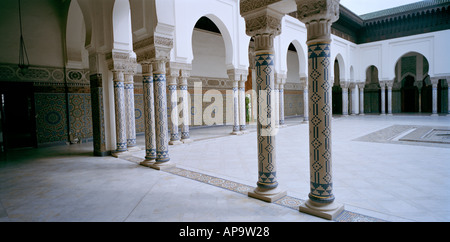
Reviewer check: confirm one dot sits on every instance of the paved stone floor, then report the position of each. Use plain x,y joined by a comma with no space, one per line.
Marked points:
378,174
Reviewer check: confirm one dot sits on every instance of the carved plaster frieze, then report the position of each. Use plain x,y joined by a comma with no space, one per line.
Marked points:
252,5
117,60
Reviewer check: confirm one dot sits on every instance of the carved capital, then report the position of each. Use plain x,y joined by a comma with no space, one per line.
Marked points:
159,66
154,47
117,60
318,15
236,75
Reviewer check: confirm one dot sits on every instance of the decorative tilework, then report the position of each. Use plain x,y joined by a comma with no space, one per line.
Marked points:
266,139
161,125
80,116
130,114
119,102
149,118
320,123
51,118
139,113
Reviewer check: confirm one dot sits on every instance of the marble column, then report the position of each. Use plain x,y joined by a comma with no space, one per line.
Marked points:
183,87
318,19
263,24
172,84
129,109
161,123
119,105
242,122
361,98
383,97
434,84
389,85
149,114
304,84
344,86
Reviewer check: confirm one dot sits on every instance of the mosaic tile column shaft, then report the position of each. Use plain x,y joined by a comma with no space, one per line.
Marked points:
130,112
361,99
242,123
161,124
173,107
318,23
119,102
281,89
149,113
235,107
434,84
389,97
320,113
98,123
383,98
182,85
267,184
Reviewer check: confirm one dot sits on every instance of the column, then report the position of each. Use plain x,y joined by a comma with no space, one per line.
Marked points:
344,86
161,125
119,105
172,84
304,83
129,108
434,83
361,98
419,85
242,123
235,76
281,89
149,115
263,25
98,123
389,85
318,19
183,87
383,97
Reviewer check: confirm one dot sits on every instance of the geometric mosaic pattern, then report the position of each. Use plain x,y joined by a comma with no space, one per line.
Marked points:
320,122
51,118
267,176
161,125
119,102
149,117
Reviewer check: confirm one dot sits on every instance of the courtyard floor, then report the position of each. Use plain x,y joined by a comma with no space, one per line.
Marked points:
385,168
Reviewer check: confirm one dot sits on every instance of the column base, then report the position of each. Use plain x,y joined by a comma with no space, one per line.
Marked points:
434,115
119,154
361,114
158,165
327,211
267,195
244,131
187,141
147,162
236,133
389,114
305,121
175,142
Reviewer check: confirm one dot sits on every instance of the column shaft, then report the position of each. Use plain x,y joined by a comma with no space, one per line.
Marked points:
281,88
130,113
361,100
345,101
235,108
383,99
182,85
435,101
149,113
161,124
389,100
119,104
305,103
242,123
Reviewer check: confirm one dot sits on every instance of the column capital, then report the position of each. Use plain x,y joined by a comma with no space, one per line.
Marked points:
173,72
159,66
117,60
237,75
389,83
344,84
361,85
318,15
434,80
153,47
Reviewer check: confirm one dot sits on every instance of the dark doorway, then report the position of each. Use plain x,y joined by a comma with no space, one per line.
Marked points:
17,115
410,96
